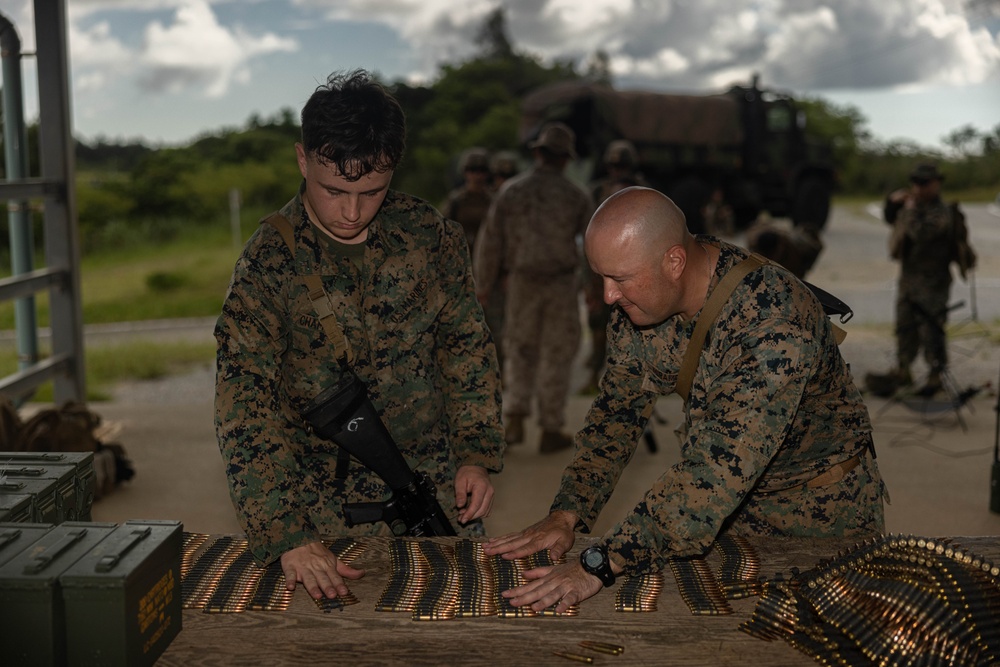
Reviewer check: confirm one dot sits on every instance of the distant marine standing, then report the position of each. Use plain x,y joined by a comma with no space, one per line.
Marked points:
927,236
469,203
532,231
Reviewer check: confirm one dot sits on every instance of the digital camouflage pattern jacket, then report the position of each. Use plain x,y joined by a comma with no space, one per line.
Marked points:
532,227
772,406
925,239
419,343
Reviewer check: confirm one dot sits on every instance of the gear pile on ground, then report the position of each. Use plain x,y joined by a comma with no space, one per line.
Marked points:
70,428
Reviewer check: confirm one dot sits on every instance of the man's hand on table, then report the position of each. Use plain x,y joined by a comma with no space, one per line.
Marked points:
560,585
319,571
554,532
473,493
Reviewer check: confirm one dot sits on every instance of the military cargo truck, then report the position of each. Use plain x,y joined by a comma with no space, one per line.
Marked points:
747,147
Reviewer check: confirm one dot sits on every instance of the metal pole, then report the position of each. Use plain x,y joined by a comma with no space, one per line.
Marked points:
62,245
15,135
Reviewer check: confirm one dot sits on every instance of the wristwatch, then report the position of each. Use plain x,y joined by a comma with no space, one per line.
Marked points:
596,562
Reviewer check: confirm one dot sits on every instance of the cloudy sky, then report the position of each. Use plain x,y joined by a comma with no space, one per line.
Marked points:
167,70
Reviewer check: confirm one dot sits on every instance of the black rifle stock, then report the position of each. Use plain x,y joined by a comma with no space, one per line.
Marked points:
344,414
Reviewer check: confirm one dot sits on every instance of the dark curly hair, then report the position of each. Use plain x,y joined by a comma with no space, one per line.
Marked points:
353,123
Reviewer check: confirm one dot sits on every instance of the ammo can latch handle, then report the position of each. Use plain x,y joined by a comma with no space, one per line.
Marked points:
44,559
25,471
108,562
8,536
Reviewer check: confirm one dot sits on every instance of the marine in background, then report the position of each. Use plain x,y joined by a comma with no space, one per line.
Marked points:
927,237
505,166
468,203
532,232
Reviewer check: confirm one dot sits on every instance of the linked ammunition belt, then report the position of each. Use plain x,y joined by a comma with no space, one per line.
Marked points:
708,593
434,583
222,577
639,593
893,600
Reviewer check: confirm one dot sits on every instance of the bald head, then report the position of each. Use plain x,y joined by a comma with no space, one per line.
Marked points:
638,242
640,222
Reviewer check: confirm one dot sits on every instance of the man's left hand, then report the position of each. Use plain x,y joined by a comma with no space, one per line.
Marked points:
560,585
473,493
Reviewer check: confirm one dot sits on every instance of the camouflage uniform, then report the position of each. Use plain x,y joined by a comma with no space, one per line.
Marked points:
772,405
468,209
532,231
419,344
922,241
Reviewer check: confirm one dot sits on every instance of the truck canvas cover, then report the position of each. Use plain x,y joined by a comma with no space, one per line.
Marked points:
642,117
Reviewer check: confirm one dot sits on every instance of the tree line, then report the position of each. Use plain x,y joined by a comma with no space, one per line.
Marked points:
132,191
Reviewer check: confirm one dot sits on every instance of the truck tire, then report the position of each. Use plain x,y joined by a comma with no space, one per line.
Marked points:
812,202
691,196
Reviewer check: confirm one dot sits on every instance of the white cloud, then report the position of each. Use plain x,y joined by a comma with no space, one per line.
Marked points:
797,43
96,47
196,51
183,50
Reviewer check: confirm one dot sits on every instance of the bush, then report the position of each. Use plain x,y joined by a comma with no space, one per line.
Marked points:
165,281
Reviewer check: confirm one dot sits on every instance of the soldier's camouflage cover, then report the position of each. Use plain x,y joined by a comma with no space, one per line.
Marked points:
468,208
419,343
772,405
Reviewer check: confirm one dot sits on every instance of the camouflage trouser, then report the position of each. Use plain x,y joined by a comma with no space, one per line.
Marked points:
851,507
494,312
921,314
541,337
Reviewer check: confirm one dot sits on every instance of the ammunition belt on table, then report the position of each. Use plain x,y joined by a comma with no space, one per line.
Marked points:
433,581
894,600
224,578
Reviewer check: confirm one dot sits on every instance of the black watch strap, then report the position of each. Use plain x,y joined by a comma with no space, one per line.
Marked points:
595,561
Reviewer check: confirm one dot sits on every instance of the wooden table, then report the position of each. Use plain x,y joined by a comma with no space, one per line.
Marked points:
358,635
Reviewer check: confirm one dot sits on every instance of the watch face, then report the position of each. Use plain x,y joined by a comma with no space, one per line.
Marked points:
594,558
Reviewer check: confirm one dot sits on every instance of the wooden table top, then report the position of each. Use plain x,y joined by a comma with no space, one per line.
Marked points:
359,635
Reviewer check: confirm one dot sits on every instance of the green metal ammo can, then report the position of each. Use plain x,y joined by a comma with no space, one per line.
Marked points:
65,479
123,598
83,462
16,507
32,618
43,492
16,537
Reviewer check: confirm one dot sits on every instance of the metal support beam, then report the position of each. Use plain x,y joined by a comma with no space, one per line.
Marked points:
62,245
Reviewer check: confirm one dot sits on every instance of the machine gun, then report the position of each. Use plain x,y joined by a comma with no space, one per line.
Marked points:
344,414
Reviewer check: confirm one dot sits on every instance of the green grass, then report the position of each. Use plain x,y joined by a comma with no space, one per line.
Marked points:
186,277
106,365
